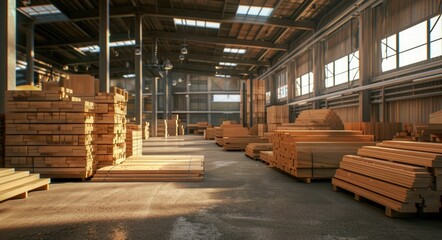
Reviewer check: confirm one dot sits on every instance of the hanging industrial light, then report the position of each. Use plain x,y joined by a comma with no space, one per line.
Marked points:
184,49
180,80
174,82
167,65
181,57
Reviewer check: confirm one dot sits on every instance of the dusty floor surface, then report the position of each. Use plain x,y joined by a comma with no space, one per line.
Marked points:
238,199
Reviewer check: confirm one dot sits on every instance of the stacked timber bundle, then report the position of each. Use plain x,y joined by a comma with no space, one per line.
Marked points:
317,119
17,184
403,176
2,140
229,130
50,132
258,95
172,127
146,130
435,118
240,143
276,116
433,131
110,126
209,133
262,128
154,168
314,154
380,130
266,156
134,140
253,149
201,127
162,128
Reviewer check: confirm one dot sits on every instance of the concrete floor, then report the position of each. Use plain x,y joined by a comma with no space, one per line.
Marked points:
238,199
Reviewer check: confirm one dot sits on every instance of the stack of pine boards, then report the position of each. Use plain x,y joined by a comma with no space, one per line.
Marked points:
50,132
154,168
403,176
146,126
2,140
209,133
162,128
253,149
277,115
235,137
380,130
318,119
134,140
314,154
266,156
17,184
110,126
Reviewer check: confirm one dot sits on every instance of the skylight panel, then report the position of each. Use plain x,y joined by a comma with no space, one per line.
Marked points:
223,75
39,10
265,11
234,50
254,11
242,9
195,23
96,48
131,75
228,64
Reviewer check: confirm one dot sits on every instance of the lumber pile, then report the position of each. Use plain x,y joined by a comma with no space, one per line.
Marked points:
277,115
266,156
407,133
134,140
380,130
403,176
229,130
314,154
201,127
322,117
2,140
162,128
17,184
262,128
49,132
209,133
253,149
181,129
154,168
435,118
258,95
172,127
110,126
240,143
145,130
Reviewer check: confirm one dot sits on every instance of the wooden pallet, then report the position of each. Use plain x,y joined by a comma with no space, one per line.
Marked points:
17,184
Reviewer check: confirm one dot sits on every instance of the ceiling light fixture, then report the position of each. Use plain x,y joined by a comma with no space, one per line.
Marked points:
180,80
167,65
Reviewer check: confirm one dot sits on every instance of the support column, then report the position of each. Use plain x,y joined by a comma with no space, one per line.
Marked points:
251,103
104,46
30,55
273,90
318,72
7,49
166,96
244,106
139,70
365,63
154,105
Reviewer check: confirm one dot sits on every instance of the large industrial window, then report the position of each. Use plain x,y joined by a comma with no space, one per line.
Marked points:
436,36
412,44
304,84
342,70
281,81
226,98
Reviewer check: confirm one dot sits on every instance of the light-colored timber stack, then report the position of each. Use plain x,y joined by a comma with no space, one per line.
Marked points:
146,130
154,168
435,118
17,184
319,119
134,140
262,128
266,156
209,133
2,140
110,126
258,102
162,128
240,143
50,132
201,127
172,127
253,149
276,116
380,130
403,176
314,154
229,130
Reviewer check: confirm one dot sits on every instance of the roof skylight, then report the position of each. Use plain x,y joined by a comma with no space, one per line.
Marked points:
222,75
254,11
196,23
228,64
39,10
234,50
130,75
96,48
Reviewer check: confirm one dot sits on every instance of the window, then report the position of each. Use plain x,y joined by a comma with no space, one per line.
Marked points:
196,23
234,50
342,70
304,84
281,81
436,36
254,11
389,51
39,10
222,75
226,98
268,96
412,44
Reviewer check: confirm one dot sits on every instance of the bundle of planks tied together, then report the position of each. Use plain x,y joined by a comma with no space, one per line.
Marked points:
209,133
277,115
110,126
314,154
253,149
50,132
403,176
134,140
319,119
2,140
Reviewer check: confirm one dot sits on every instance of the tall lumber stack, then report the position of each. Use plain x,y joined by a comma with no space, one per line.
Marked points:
146,130
134,140
162,128
403,176
258,102
172,127
277,115
311,154
380,130
50,132
2,140
110,126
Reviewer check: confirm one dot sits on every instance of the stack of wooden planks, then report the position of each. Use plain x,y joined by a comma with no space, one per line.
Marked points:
134,140
162,128
258,95
403,176
380,130
266,156
209,133
17,184
253,149
314,154
240,143
154,168
321,118
229,130
262,128
146,130
172,127
2,140
435,118
277,115
110,126
50,132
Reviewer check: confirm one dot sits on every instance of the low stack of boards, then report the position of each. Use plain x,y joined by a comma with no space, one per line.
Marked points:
50,132
154,168
18,184
134,140
277,115
162,128
209,133
240,143
314,154
2,140
319,119
201,127
145,130
266,156
229,130
435,118
253,149
110,126
403,176
380,130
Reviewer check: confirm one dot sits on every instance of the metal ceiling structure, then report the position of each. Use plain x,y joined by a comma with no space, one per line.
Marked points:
58,36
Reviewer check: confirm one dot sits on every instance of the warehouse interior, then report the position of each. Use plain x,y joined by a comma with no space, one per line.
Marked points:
221,119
